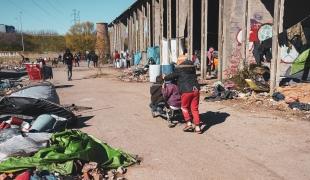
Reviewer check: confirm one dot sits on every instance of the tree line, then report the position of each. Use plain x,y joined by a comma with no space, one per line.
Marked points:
80,37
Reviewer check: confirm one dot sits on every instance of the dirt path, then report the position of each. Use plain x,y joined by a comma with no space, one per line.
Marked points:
236,144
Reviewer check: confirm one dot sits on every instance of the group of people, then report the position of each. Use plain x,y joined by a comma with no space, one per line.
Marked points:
92,57
181,89
69,59
211,60
122,56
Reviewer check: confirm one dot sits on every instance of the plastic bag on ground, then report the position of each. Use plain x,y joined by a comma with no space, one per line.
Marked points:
23,146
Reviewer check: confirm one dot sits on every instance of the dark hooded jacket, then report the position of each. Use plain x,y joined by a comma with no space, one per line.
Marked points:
68,58
185,75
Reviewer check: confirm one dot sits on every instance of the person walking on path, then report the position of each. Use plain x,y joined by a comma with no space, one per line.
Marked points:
95,59
210,60
68,58
186,77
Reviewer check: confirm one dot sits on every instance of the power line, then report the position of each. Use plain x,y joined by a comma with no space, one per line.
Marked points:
54,7
41,8
45,11
23,10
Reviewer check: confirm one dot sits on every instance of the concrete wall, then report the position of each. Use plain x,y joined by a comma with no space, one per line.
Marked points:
234,20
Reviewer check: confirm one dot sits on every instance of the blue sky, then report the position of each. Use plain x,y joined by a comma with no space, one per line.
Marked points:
57,15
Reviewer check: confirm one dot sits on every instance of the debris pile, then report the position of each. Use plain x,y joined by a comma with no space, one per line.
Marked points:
296,95
36,142
135,75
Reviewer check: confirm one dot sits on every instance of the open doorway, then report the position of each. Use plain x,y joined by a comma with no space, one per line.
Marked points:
196,25
213,23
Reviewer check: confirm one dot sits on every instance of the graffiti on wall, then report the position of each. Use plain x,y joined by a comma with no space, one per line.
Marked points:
259,45
294,46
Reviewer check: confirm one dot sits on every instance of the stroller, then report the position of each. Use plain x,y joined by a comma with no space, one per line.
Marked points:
160,107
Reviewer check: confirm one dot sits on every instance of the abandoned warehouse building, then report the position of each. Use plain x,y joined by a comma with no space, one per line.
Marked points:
271,32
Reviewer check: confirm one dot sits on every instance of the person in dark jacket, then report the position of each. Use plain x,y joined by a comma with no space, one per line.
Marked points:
186,77
68,58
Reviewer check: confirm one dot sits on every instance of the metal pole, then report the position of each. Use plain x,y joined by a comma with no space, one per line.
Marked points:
21,29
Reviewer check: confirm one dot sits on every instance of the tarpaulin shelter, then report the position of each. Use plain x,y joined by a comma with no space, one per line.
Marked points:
12,74
299,64
45,90
33,107
154,53
137,58
66,147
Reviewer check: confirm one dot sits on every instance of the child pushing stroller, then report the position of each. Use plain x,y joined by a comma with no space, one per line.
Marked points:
166,100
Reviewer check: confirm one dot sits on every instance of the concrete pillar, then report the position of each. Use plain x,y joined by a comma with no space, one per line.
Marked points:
204,37
149,24
129,33
156,22
143,45
169,26
276,29
116,37
220,40
244,35
141,29
161,27
190,28
177,26
136,27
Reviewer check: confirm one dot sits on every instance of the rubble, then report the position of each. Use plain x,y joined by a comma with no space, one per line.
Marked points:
134,75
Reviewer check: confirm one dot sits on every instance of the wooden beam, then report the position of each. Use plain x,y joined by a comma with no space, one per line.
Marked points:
275,45
220,40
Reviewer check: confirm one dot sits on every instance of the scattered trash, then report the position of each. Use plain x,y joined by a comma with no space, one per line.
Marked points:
300,106
278,96
296,93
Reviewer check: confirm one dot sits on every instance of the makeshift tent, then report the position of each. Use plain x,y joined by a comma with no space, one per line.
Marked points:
33,107
66,147
299,64
12,74
137,58
44,90
154,53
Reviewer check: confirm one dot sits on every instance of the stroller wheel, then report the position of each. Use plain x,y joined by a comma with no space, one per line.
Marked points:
153,114
171,124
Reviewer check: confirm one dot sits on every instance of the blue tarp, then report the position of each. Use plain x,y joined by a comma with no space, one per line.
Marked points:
137,58
154,53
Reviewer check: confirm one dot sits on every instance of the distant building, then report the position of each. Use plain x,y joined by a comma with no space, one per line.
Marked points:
2,28
7,29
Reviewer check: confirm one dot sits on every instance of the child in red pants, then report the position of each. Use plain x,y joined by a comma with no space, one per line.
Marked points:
186,77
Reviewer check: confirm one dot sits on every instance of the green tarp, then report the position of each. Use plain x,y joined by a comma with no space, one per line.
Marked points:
66,147
299,64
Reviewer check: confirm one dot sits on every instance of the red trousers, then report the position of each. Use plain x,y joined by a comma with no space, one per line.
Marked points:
189,105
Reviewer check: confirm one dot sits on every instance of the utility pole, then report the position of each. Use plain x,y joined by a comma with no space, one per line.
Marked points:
76,16
21,29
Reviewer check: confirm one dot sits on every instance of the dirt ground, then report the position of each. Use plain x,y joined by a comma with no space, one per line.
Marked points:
237,143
